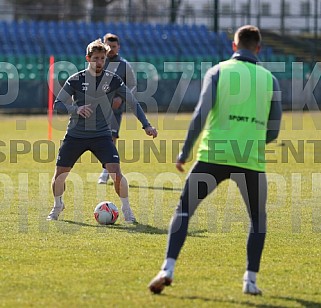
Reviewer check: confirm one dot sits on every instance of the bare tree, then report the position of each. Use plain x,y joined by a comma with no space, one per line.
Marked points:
49,9
175,4
98,12
101,10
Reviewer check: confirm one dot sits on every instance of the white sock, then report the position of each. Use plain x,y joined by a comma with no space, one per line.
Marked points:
169,264
105,171
249,275
58,201
125,204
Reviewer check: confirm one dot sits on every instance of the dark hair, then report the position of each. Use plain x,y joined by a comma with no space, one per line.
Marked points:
111,38
94,46
247,37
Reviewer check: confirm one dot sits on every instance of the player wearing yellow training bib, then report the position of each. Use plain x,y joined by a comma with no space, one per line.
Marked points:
235,130
239,111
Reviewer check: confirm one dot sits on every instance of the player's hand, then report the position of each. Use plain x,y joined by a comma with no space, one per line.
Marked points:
179,166
151,131
85,111
116,102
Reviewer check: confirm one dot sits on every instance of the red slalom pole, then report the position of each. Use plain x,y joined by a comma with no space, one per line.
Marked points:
50,94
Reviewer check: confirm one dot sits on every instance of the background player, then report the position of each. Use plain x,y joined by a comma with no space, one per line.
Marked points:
122,68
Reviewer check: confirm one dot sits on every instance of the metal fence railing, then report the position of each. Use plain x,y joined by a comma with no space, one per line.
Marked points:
296,16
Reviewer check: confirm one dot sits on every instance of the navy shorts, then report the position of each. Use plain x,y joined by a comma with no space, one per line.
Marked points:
115,124
72,148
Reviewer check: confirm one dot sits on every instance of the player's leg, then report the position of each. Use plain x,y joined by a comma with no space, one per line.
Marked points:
104,149
58,188
115,126
58,180
202,180
69,152
121,188
120,182
103,177
253,188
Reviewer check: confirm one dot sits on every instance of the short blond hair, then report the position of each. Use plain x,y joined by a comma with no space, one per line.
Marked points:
96,45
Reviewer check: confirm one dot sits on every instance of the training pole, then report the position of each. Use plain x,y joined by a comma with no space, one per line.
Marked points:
50,94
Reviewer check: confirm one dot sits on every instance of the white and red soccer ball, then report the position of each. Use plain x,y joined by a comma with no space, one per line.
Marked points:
106,213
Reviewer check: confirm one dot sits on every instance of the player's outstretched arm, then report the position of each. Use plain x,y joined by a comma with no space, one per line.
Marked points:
151,131
134,105
179,165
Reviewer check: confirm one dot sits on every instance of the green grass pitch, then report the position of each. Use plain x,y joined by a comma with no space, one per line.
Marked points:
76,263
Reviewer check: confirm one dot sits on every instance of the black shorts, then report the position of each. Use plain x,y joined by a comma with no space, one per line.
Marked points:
72,148
115,124
205,177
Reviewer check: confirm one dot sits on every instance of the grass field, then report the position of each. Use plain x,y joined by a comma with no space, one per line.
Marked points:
76,263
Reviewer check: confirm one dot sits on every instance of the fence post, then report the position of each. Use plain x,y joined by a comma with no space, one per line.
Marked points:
216,16
282,16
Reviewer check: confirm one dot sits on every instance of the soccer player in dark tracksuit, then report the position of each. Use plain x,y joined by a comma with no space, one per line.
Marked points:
87,97
239,111
123,69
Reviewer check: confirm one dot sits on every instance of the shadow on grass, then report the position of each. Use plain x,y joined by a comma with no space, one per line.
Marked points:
156,188
215,302
83,224
139,228
304,303
151,187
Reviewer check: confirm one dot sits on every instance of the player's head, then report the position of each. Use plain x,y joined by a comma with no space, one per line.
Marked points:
96,53
247,37
113,42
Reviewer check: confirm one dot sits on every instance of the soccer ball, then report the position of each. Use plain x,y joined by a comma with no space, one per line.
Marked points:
106,213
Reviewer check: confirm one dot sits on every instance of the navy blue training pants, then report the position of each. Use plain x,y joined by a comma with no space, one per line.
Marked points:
202,180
